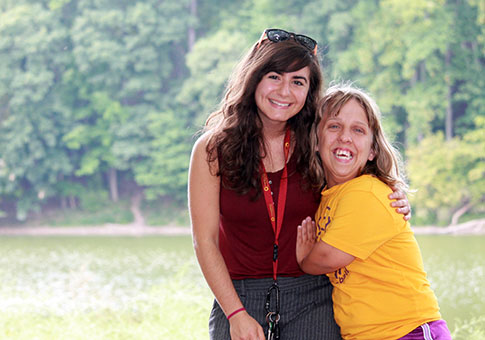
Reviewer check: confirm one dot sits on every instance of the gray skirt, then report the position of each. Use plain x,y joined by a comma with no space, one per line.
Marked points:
305,307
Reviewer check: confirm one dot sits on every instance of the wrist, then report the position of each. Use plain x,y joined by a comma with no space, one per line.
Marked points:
235,312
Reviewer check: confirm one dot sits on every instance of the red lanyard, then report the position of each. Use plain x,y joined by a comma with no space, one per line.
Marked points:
277,220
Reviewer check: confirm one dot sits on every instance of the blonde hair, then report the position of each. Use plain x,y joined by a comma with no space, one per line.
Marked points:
387,164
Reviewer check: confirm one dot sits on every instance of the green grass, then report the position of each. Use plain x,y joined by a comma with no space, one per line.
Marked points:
101,288
151,287
470,329
168,314
159,213
456,270
156,213
116,213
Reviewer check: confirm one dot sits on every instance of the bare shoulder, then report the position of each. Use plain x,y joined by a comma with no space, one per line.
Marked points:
199,149
200,157
202,142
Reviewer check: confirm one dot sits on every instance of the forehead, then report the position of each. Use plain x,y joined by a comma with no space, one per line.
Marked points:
350,108
304,71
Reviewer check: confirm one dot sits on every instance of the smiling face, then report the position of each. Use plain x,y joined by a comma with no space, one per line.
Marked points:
345,143
280,96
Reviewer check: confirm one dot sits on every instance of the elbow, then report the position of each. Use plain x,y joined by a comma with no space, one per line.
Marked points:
198,244
313,271
317,268
202,243
195,243
310,267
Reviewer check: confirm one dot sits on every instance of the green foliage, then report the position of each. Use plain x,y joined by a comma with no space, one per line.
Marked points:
448,175
210,64
93,200
164,171
96,133
473,329
400,50
96,211
163,212
89,89
32,57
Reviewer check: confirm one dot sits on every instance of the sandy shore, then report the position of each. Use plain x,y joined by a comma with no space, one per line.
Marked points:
475,227
106,230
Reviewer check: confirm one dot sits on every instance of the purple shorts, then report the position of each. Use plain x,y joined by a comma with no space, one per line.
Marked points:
434,330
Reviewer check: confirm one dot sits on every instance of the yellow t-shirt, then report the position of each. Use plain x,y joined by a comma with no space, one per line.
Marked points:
384,292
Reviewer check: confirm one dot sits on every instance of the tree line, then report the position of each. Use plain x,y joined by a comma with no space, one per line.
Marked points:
101,100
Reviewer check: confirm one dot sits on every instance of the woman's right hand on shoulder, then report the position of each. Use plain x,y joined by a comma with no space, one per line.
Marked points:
245,327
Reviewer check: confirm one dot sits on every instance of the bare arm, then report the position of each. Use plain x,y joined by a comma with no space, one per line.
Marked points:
204,189
318,257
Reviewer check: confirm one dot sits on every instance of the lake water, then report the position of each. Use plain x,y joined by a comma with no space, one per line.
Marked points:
456,270
66,276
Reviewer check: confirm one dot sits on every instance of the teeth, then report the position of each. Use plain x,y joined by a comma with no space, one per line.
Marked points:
343,154
279,104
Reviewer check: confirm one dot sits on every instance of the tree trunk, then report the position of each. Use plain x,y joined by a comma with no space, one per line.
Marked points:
449,97
456,216
422,71
60,178
63,203
136,199
72,202
113,184
192,33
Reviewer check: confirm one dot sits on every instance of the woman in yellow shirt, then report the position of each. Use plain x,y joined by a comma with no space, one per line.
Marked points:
367,250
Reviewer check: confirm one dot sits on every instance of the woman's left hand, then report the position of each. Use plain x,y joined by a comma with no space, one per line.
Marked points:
401,203
305,239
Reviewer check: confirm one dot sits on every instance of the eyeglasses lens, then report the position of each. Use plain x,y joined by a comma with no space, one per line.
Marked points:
306,41
277,35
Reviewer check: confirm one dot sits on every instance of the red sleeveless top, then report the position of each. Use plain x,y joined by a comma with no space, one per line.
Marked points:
246,237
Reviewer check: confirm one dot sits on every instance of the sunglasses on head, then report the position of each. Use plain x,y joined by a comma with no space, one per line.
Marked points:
276,35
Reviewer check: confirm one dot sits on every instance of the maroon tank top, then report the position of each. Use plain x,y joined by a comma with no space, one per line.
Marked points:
245,234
